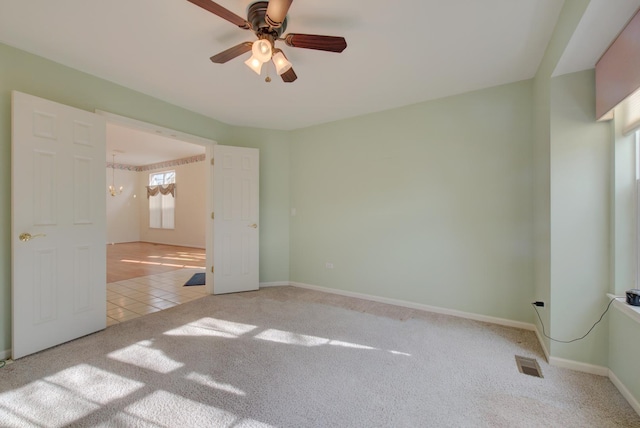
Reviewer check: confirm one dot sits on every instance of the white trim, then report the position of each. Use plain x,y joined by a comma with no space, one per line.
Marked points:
476,317
4,355
543,344
554,361
208,145
274,284
632,312
624,391
578,366
156,129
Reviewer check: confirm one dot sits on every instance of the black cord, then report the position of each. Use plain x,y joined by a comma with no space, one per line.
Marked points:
579,338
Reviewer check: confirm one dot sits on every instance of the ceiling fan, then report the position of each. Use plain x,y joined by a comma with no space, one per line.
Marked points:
268,20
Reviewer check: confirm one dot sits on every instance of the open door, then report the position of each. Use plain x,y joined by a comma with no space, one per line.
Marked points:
236,216
58,224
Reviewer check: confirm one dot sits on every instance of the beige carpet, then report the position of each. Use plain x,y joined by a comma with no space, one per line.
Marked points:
298,358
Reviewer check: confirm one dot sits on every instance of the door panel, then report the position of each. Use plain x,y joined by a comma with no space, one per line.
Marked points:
235,229
58,199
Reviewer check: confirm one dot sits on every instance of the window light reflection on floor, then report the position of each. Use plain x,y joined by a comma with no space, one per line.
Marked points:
40,404
286,337
289,338
142,354
142,262
79,390
212,327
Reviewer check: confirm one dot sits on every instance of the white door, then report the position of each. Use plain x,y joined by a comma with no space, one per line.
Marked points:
58,224
235,224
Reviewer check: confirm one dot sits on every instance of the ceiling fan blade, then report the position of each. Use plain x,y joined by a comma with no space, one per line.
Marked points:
277,12
311,41
223,13
231,53
289,76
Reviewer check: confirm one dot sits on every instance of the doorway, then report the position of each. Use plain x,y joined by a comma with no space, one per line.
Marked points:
149,263
66,187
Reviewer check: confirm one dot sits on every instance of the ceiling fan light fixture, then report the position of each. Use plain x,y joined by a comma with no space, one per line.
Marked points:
261,50
255,64
281,62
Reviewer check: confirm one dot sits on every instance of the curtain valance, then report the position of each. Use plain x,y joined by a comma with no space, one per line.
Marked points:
164,190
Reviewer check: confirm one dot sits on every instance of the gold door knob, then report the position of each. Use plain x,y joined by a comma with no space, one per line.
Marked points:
24,237
255,226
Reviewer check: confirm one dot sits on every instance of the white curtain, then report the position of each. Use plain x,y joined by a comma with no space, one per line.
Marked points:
161,206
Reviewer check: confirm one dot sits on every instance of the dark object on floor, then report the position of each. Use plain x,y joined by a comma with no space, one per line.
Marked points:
633,297
196,279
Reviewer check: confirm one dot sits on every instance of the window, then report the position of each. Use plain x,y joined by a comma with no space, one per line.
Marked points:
162,207
637,206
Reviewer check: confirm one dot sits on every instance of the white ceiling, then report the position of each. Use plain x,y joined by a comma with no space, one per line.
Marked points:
139,147
601,23
398,53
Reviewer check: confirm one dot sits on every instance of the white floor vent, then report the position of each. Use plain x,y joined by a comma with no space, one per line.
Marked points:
528,366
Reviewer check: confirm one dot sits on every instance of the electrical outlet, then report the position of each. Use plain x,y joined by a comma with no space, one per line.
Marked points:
328,265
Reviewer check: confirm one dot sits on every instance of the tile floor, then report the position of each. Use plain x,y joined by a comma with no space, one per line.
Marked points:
136,259
143,278
135,297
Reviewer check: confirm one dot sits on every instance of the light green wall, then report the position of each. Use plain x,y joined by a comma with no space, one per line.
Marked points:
624,350
34,75
274,198
430,203
542,197
583,215
580,173
568,20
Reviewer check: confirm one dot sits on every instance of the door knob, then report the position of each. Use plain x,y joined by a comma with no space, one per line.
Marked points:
255,226
24,237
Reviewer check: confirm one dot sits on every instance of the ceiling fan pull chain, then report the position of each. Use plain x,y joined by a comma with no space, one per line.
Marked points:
268,78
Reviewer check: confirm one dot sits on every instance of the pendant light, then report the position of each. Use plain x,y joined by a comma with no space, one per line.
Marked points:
112,187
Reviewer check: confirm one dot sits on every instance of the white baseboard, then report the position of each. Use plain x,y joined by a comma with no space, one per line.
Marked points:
543,344
624,391
554,361
4,355
274,284
428,308
579,367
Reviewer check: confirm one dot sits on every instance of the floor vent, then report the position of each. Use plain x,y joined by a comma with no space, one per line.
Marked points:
528,366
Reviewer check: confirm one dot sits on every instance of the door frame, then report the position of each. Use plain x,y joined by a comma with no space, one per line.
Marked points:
187,138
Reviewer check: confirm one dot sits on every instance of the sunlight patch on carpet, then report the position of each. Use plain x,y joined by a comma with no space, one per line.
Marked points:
404,354
39,404
212,327
79,390
279,336
94,384
142,354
